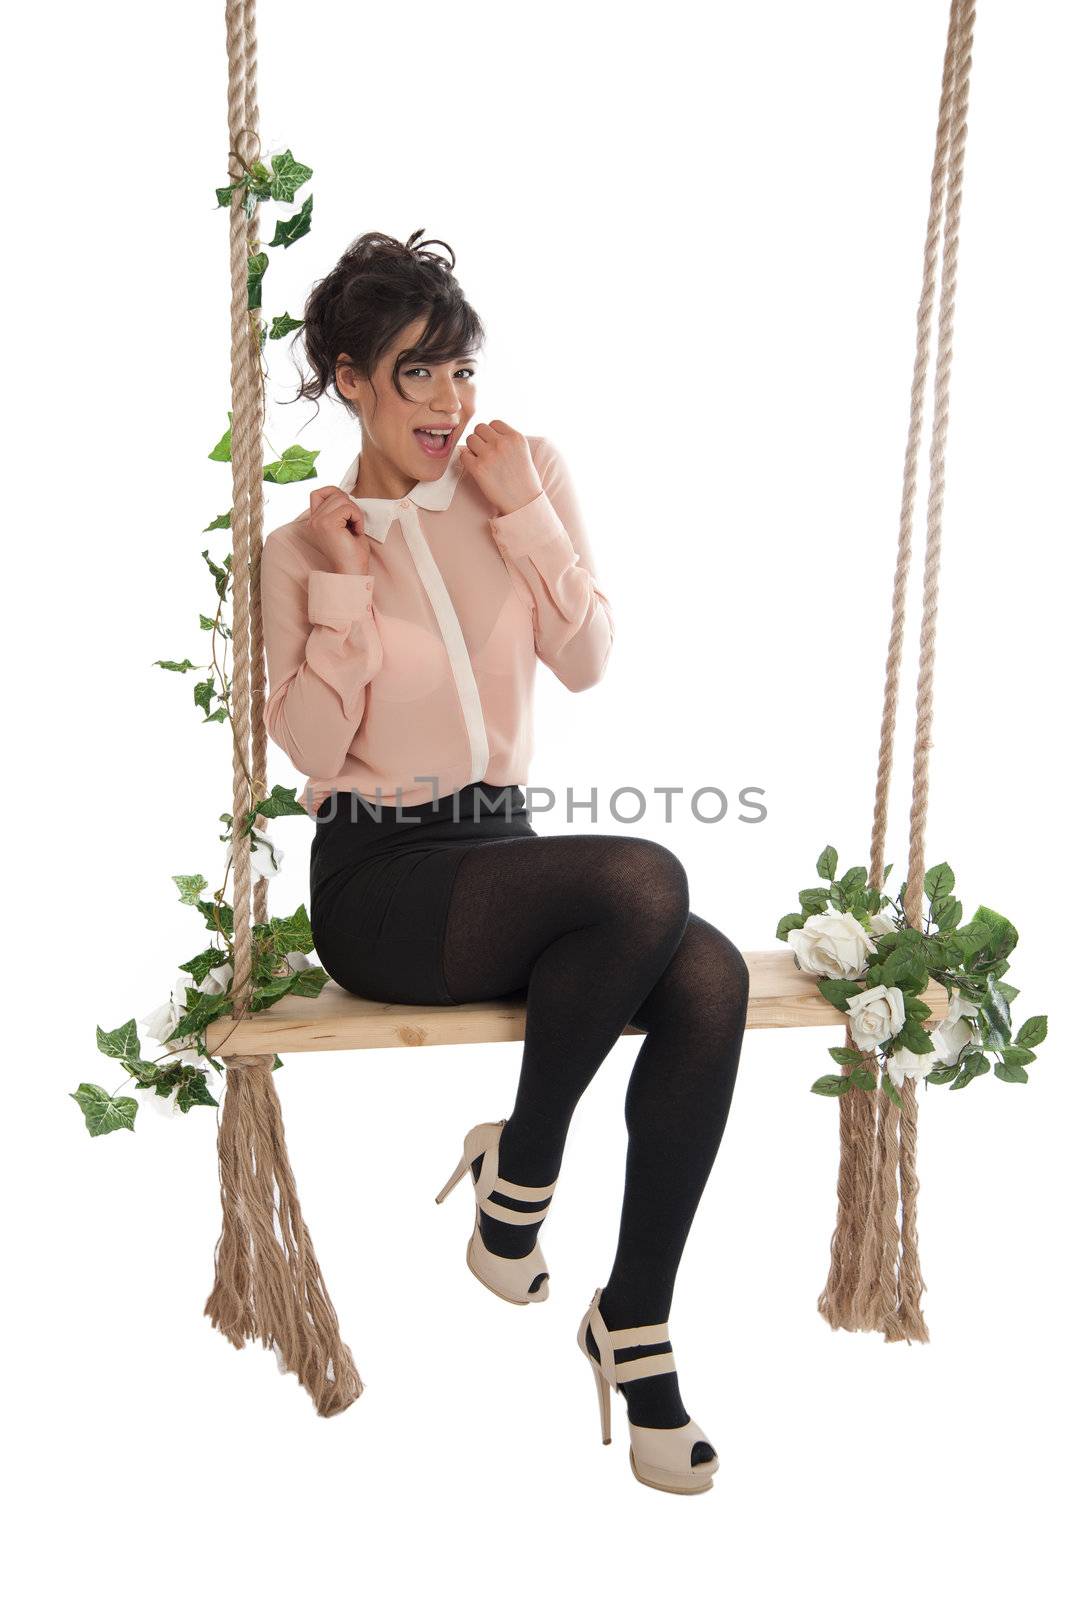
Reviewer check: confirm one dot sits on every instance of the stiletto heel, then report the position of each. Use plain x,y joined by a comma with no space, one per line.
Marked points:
659,1457
454,1178
604,1403
521,1279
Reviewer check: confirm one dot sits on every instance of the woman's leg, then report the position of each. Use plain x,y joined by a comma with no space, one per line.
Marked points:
676,1107
597,928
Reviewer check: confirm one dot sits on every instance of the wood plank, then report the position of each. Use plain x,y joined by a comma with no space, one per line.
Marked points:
781,997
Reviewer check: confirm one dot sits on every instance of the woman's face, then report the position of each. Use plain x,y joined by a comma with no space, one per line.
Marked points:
442,397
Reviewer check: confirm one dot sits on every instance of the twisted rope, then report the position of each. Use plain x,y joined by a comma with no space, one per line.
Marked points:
870,1285
268,1284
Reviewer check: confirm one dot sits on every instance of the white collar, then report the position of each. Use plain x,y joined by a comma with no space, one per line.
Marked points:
433,494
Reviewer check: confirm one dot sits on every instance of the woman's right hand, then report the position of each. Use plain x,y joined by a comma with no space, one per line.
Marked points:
336,529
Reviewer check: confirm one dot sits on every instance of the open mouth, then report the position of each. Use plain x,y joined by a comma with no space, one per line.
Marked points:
435,441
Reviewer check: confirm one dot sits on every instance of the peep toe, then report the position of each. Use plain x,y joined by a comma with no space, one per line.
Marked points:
659,1457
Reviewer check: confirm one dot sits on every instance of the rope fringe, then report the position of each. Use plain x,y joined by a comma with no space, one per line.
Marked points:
268,1284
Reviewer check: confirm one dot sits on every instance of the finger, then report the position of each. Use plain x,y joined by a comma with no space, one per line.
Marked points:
502,427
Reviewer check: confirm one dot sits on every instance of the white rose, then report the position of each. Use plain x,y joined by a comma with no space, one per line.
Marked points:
876,1015
906,1064
832,944
882,922
955,1031
262,861
215,981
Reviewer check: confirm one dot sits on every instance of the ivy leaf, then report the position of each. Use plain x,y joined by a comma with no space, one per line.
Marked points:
221,451
308,981
1032,1032
219,573
827,862
121,1044
280,802
223,521
288,176
832,1084
296,464
199,966
193,1091
289,229
104,1113
176,666
282,325
203,693
191,886
257,266
217,915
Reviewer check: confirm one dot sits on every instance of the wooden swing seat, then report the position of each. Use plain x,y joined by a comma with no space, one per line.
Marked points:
781,996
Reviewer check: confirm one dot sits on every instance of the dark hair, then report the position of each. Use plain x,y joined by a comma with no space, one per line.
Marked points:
376,288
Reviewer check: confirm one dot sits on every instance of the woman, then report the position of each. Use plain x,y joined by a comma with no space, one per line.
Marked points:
404,613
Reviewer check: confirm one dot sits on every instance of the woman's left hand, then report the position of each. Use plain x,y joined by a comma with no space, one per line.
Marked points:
498,459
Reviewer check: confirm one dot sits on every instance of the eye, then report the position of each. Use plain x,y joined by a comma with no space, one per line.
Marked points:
410,372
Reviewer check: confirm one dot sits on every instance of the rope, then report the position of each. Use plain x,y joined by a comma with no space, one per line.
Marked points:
268,1284
869,1284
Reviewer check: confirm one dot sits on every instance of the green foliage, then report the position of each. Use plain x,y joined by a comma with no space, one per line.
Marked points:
967,958
281,947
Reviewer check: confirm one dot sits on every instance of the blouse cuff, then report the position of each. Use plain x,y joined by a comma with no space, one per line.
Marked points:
337,599
519,530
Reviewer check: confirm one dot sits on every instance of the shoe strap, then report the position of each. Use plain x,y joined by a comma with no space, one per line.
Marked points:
506,1214
644,1367
647,1333
522,1191
610,1339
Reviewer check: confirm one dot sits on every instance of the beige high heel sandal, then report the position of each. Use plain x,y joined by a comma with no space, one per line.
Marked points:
659,1457
511,1279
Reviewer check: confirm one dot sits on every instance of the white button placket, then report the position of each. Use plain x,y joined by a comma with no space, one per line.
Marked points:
451,632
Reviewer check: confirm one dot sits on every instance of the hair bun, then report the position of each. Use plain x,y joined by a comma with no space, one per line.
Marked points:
415,247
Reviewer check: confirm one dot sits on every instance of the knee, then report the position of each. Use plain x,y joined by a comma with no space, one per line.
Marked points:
710,975
653,886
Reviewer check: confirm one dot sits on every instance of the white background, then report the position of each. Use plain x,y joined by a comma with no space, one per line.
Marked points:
695,238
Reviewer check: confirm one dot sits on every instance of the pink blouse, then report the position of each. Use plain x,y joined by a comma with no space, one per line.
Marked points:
417,679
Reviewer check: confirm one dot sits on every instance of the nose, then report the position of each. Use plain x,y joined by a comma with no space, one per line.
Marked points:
446,397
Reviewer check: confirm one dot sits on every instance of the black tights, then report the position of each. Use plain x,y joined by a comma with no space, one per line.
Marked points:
597,929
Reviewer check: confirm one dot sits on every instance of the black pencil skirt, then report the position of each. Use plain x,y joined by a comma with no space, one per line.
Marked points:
381,879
